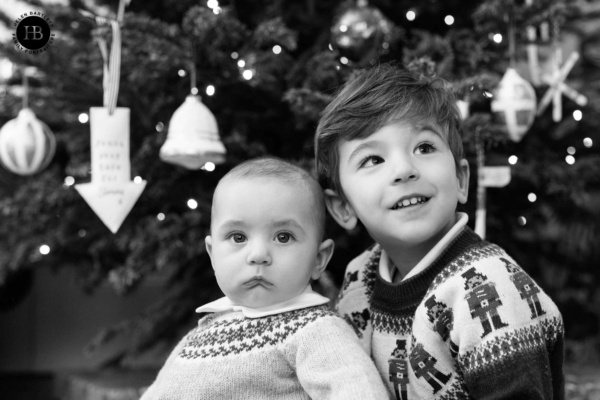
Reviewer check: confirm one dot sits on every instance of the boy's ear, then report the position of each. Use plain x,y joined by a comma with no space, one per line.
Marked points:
208,244
323,257
340,210
463,174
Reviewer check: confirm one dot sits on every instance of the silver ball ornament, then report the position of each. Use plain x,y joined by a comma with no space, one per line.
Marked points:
360,34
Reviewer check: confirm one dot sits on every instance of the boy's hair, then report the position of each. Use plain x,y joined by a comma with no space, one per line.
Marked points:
273,167
371,99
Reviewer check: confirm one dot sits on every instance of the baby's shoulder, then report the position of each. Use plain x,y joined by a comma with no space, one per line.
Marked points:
301,318
318,321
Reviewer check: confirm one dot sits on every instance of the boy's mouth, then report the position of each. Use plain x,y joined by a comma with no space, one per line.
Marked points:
410,201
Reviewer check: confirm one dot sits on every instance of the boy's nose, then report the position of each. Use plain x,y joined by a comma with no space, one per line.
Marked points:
404,170
259,255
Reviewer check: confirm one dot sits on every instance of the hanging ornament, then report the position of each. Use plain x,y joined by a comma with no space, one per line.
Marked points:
360,33
193,138
558,87
111,194
545,64
27,145
514,104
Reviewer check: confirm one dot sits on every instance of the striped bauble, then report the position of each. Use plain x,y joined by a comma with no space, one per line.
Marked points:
27,145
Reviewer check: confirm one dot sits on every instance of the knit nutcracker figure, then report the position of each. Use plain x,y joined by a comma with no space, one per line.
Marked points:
399,369
440,315
526,287
483,300
423,364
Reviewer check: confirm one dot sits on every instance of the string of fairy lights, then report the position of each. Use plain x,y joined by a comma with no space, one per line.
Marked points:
247,73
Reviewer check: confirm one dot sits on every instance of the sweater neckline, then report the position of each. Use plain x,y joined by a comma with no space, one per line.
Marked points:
308,298
405,296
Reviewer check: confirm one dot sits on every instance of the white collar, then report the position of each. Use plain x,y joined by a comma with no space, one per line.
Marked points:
308,298
386,266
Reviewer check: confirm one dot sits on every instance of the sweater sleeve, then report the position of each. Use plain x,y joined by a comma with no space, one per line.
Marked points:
154,390
508,332
161,384
330,363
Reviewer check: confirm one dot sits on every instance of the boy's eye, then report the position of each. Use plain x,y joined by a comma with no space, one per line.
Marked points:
425,148
370,161
283,237
237,237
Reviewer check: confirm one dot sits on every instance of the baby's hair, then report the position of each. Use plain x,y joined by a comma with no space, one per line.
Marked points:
372,98
276,168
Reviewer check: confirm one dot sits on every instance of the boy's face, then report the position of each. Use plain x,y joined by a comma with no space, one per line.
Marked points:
401,183
264,243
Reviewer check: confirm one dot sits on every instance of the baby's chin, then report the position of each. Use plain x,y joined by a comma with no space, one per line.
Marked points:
264,303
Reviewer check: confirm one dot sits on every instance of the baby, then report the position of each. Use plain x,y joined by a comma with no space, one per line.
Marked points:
271,336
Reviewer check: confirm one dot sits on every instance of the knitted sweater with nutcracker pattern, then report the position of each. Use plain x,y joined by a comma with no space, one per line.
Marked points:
309,353
472,324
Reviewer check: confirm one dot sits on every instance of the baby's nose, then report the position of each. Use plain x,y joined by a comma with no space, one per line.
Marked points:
259,254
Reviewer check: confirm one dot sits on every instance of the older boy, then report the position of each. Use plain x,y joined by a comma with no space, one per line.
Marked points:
444,314
271,336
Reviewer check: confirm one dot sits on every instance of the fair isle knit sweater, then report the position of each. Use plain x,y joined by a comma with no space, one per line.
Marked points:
310,353
472,324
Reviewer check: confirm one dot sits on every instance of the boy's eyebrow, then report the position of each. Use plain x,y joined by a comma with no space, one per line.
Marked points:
364,145
431,128
419,129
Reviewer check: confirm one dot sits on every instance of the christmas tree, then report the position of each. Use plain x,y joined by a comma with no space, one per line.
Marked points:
266,69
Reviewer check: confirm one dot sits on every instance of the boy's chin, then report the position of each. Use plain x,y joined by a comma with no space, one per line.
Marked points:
410,238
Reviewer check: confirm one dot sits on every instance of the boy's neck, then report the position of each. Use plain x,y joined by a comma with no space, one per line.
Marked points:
406,257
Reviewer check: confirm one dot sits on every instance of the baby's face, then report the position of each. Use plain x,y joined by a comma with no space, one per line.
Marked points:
401,182
264,241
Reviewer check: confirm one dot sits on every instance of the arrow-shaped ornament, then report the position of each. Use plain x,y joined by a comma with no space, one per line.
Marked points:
111,194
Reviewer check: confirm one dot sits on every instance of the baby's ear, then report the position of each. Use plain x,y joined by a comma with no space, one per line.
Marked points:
323,257
208,244
340,210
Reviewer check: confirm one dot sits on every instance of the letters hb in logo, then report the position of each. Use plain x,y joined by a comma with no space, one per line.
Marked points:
33,32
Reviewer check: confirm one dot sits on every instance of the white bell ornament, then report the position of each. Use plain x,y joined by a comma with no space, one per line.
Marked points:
193,138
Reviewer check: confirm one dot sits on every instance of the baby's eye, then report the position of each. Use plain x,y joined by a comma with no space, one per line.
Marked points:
370,161
425,148
283,237
237,237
